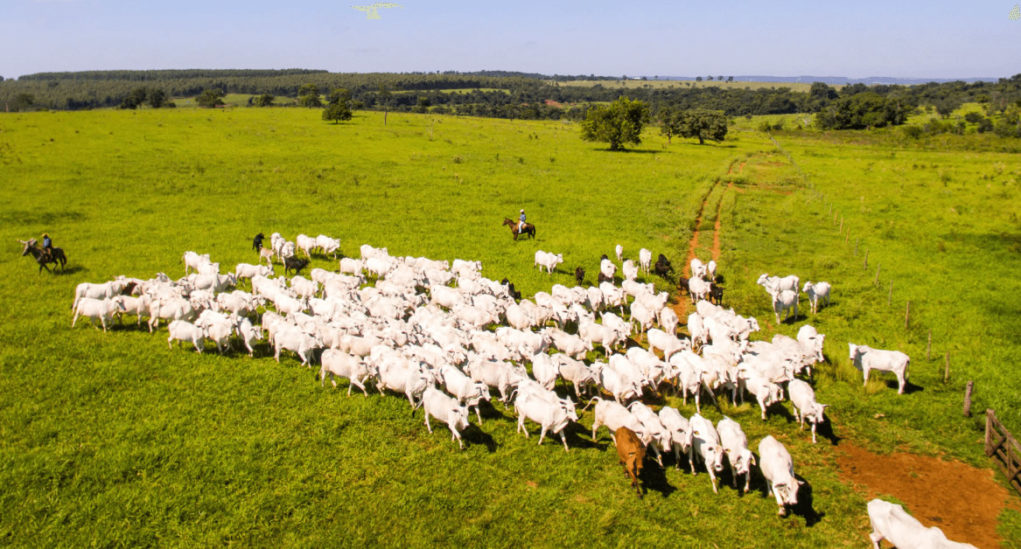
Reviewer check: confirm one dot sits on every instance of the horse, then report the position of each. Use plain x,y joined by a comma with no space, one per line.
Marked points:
529,228
56,255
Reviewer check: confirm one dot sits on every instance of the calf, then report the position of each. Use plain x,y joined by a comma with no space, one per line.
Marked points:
295,264
891,522
816,292
778,469
645,259
866,359
663,267
631,452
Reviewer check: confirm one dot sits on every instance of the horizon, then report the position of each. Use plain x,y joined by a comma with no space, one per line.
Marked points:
936,40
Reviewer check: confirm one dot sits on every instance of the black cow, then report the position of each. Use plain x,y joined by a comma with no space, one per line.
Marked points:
715,293
295,264
257,241
579,275
663,267
510,289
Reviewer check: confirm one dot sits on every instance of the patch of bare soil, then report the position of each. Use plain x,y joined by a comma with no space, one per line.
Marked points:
961,500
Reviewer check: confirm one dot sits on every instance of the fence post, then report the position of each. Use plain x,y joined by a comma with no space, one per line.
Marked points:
866,265
907,311
967,398
928,347
990,414
878,267
946,369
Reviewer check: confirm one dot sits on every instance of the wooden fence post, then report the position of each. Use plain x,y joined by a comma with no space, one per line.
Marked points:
946,369
967,398
990,414
866,265
928,348
907,311
876,281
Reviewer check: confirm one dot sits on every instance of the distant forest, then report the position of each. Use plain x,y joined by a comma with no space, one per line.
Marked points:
492,93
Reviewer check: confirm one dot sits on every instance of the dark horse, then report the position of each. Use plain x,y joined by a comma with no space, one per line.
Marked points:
529,228
56,255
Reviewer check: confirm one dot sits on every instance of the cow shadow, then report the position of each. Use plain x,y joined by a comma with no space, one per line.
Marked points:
653,478
825,430
805,507
574,432
909,388
475,435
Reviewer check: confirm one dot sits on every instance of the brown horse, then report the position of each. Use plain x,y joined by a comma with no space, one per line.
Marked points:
529,228
56,255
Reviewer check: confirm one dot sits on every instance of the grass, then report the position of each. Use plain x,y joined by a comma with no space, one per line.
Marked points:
114,439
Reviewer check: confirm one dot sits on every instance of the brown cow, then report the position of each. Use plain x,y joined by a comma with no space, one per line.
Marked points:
632,454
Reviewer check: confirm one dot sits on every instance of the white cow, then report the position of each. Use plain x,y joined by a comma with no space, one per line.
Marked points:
775,284
607,269
778,469
698,269
553,417
182,330
816,292
548,260
705,443
866,359
618,250
803,398
698,289
249,333
669,344
680,431
466,391
783,302
645,259
294,339
328,245
446,409
96,309
544,370
657,436
735,445
337,363
891,522
614,416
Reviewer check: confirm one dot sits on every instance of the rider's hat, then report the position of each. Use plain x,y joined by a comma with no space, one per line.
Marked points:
45,235
522,211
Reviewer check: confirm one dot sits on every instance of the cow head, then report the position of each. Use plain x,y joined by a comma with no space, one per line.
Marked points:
855,354
787,493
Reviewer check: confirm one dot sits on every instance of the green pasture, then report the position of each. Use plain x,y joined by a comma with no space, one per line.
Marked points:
113,439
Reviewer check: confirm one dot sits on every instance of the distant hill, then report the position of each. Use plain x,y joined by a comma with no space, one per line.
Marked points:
839,80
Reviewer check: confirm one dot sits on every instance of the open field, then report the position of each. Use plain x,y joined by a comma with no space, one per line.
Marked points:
114,439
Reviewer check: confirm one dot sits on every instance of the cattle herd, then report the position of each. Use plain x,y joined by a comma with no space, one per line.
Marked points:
448,338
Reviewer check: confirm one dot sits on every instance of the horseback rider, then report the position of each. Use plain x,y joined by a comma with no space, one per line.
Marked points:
521,222
47,246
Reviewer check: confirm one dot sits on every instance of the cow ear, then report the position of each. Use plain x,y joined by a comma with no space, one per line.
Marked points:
801,483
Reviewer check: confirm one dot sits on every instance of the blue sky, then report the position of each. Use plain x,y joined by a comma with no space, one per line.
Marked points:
936,39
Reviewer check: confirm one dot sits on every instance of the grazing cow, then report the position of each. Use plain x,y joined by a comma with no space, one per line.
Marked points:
816,292
698,289
607,270
337,363
295,264
698,269
446,409
267,254
778,469
805,406
182,330
711,270
618,250
891,522
866,359
631,452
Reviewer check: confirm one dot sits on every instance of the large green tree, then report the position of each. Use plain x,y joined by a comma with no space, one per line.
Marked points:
698,123
338,108
308,96
210,98
862,110
618,123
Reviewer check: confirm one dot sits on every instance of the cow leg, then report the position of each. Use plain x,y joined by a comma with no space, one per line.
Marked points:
521,425
542,434
563,438
813,432
875,537
478,413
712,477
427,426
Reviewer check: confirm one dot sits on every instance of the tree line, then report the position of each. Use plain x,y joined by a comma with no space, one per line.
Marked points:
498,94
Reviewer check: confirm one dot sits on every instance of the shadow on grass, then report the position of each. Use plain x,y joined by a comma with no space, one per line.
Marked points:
634,151
474,435
825,430
805,507
653,478
909,388
74,269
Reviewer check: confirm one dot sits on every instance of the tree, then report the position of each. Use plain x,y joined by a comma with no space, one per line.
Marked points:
698,79
863,110
210,98
157,98
617,123
703,124
669,123
384,98
308,96
134,99
337,109
264,100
